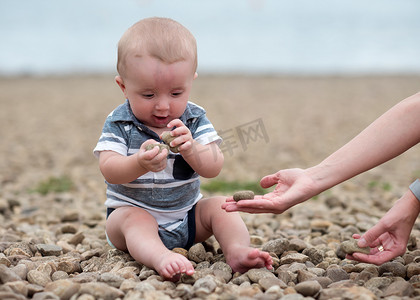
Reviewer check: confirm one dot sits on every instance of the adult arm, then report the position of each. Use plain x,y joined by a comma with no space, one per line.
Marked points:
391,134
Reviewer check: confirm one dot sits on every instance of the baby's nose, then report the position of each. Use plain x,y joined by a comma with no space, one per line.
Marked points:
162,104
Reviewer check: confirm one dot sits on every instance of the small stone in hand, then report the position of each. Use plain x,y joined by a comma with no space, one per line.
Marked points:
350,247
243,195
161,147
167,138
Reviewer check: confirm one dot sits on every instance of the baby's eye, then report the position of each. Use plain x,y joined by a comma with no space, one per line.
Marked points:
148,96
177,93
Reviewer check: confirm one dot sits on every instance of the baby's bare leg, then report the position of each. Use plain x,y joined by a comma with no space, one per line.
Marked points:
231,233
134,230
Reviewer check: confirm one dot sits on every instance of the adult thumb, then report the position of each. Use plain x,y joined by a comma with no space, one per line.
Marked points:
268,181
370,236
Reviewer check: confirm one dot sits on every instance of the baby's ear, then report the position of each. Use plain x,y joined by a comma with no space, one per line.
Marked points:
195,75
120,82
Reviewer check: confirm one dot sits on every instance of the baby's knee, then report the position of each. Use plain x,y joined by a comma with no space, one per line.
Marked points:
130,215
212,203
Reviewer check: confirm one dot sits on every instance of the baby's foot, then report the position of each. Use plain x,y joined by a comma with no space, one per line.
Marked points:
241,259
171,265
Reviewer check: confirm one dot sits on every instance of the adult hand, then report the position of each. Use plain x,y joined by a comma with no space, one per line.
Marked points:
389,237
293,186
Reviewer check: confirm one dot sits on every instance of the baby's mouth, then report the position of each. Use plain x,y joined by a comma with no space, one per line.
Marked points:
161,119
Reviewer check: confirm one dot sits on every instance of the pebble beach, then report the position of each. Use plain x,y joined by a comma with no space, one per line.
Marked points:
52,217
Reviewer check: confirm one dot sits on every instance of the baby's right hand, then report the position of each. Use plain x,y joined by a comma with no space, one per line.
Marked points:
152,160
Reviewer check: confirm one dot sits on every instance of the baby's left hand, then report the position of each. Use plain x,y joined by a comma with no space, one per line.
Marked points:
183,140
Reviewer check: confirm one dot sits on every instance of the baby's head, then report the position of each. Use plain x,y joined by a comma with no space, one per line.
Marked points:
161,38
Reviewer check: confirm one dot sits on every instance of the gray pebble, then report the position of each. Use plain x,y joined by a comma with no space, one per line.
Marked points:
304,275
167,138
293,296
297,245
59,275
350,247
294,257
49,250
399,288
111,279
7,275
277,246
413,269
337,274
38,278
64,288
161,147
315,255
395,268
101,290
308,288
197,253
268,282
256,275
243,195
205,285
378,283
324,281
222,266
355,292
45,296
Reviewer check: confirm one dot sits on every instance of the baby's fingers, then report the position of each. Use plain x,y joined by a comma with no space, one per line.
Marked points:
175,123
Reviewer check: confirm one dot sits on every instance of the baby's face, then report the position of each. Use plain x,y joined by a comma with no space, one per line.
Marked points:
157,92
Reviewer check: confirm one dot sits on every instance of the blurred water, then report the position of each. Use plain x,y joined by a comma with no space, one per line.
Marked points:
250,36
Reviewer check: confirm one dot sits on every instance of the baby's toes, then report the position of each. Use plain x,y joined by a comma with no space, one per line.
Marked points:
189,269
186,267
166,272
177,267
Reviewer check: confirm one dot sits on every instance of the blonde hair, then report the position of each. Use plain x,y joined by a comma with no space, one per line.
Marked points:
162,38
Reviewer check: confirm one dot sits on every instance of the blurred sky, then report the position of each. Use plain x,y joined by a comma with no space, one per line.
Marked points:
239,36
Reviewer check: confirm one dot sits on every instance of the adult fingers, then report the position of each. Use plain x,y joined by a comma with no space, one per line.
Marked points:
249,208
269,181
370,237
377,258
